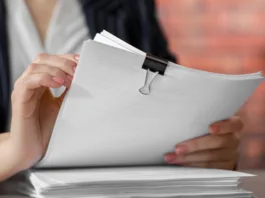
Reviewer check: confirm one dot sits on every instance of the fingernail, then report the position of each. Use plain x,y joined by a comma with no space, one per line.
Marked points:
77,57
70,77
170,158
74,68
181,150
215,129
58,80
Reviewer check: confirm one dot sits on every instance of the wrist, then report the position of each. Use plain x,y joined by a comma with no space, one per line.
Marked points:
9,164
17,157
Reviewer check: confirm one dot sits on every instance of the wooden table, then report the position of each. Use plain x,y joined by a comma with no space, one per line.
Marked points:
253,184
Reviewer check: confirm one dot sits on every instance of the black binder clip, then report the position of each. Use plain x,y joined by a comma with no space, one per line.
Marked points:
155,64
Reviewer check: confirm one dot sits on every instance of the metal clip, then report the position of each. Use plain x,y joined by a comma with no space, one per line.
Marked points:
150,76
155,64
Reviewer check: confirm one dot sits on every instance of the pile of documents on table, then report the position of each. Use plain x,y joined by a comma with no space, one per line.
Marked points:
134,182
128,108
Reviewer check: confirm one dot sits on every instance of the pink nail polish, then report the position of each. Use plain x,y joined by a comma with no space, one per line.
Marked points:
77,57
58,80
181,150
215,129
170,158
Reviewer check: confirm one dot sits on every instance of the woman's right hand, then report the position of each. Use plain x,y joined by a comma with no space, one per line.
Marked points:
35,109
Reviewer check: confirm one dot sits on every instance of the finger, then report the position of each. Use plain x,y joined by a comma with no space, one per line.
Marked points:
203,156
72,57
232,125
227,165
54,71
35,81
65,64
35,68
26,90
207,143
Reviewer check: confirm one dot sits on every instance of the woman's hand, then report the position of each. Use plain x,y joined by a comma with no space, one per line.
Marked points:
35,109
217,150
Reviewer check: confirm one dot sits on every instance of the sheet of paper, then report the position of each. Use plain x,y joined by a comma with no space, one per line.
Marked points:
155,181
106,121
130,174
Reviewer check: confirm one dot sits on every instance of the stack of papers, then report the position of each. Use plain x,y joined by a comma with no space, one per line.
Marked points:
128,182
126,109
117,113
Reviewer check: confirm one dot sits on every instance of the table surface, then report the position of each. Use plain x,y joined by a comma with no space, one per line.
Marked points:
253,184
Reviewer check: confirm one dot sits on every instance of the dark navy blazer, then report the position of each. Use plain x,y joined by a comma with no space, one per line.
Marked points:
134,21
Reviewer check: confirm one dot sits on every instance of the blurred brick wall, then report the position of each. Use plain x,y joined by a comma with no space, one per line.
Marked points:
226,36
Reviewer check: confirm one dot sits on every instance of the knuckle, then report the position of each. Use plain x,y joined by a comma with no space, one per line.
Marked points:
41,56
42,78
32,67
67,63
57,72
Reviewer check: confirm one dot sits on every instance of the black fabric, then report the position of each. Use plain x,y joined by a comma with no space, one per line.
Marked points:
4,70
134,21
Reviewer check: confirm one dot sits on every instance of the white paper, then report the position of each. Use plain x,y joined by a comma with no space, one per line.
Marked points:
133,182
130,174
106,121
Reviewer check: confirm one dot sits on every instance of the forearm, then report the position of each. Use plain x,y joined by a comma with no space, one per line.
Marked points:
9,163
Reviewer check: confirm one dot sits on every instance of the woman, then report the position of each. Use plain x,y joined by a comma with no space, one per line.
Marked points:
47,28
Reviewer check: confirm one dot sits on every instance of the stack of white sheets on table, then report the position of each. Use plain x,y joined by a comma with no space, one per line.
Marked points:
133,182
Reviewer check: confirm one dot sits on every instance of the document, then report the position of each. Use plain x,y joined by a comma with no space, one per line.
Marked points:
152,181
116,113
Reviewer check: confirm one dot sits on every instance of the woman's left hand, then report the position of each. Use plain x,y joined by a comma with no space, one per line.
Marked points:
35,109
217,150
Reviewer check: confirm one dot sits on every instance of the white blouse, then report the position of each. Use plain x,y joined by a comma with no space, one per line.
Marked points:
66,32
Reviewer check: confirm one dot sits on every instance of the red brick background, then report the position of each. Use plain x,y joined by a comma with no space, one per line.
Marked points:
226,36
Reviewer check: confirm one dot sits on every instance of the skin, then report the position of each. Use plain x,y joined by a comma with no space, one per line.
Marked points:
41,12
216,150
